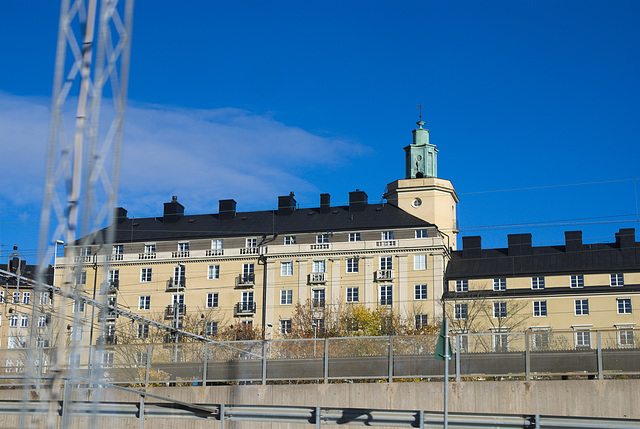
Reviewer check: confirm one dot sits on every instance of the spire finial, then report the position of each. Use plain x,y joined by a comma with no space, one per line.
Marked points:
419,106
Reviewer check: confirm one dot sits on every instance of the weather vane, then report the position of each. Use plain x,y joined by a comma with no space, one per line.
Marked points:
419,106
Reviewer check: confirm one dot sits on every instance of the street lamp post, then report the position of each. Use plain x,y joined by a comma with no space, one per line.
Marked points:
315,335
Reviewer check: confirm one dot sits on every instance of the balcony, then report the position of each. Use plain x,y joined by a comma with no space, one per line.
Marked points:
317,278
250,251
245,308
113,286
320,246
149,255
108,340
176,310
383,275
107,315
214,252
246,280
111,258
180,254
82,259
173,286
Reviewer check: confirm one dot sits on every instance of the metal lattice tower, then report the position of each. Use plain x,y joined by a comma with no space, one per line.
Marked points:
83,164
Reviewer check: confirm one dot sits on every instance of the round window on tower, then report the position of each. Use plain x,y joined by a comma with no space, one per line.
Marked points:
417,203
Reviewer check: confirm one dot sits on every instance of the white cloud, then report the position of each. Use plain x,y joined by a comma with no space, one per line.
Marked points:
200,155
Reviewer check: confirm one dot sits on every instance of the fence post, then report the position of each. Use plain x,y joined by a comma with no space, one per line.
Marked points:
204,364
146,372
264,362
527,357
458,349
326,360
600,373
390,377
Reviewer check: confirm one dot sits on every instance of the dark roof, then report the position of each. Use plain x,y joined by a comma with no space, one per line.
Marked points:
340,218
30,272
588,258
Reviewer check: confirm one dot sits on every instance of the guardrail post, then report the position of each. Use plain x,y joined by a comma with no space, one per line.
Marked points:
600,372
318,421
527,357
421,417
264,362
458,349
141,413
326,360
66,403
204,364
390,377
221,415
148,368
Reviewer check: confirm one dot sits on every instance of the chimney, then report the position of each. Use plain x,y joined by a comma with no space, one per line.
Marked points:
173,210
324,203
286,205
357,200
227,209
519,244
626,238
472,247
573,241
119,215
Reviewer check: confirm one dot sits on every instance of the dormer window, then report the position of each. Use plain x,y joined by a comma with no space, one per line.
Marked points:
322,238
251,242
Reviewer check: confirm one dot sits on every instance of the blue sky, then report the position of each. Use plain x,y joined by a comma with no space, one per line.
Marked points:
251,100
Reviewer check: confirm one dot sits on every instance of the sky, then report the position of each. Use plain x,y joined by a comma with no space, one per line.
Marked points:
533,106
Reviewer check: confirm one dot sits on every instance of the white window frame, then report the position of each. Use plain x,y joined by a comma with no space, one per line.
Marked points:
144,302
616,280
78,306
581,307
353,265
179,274
422,233
26,298
386,235
420,292
42,321
183,246
385,294
319,297
499,284
354,236
13,321
251,242
537,283
286,268
212,300
582,338
500,310
24,321
145,275
462,285
216,244
16,297
500,340
149,248
113,275
540,308
626,305
386,262
319,266
353,294
143,330
422,320
286,297
213,272
285,326
211,328
419,262
290,240
576,281
322,238
461,311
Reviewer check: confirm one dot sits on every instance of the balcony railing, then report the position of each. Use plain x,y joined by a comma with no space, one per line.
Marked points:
317,278
113,286
214,252
108,315
245,308
172,285
176,310
117,257
386,243
82,259
320,246
383,275
250,251
148,255
180,254
246,280
318,303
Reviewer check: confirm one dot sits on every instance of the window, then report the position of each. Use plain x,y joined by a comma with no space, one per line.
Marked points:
421,321
82,278
179,275
24,321
419,262
537,282
499,310
285,326
216,244
499,284
17,342
177,299
85,251
42,321
462,285
211,328
78,306
624,305
625,338
1,296
460,311
150,248
286,268
539,308
76,333
145,275
107,359
286,297
251,242
143,330
13,321
577,281
500,342
183,246
144,302
352,265
540,338
318,324
583,338
422,233
113,275
617,280
117,251
386,295
386,235
213,272
212,300
247,300
354,236
352,294
322,238
26,297
44,298
41,342
247,268
582,307
16,297
290,240
318,266
318,298
420,291
386,263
